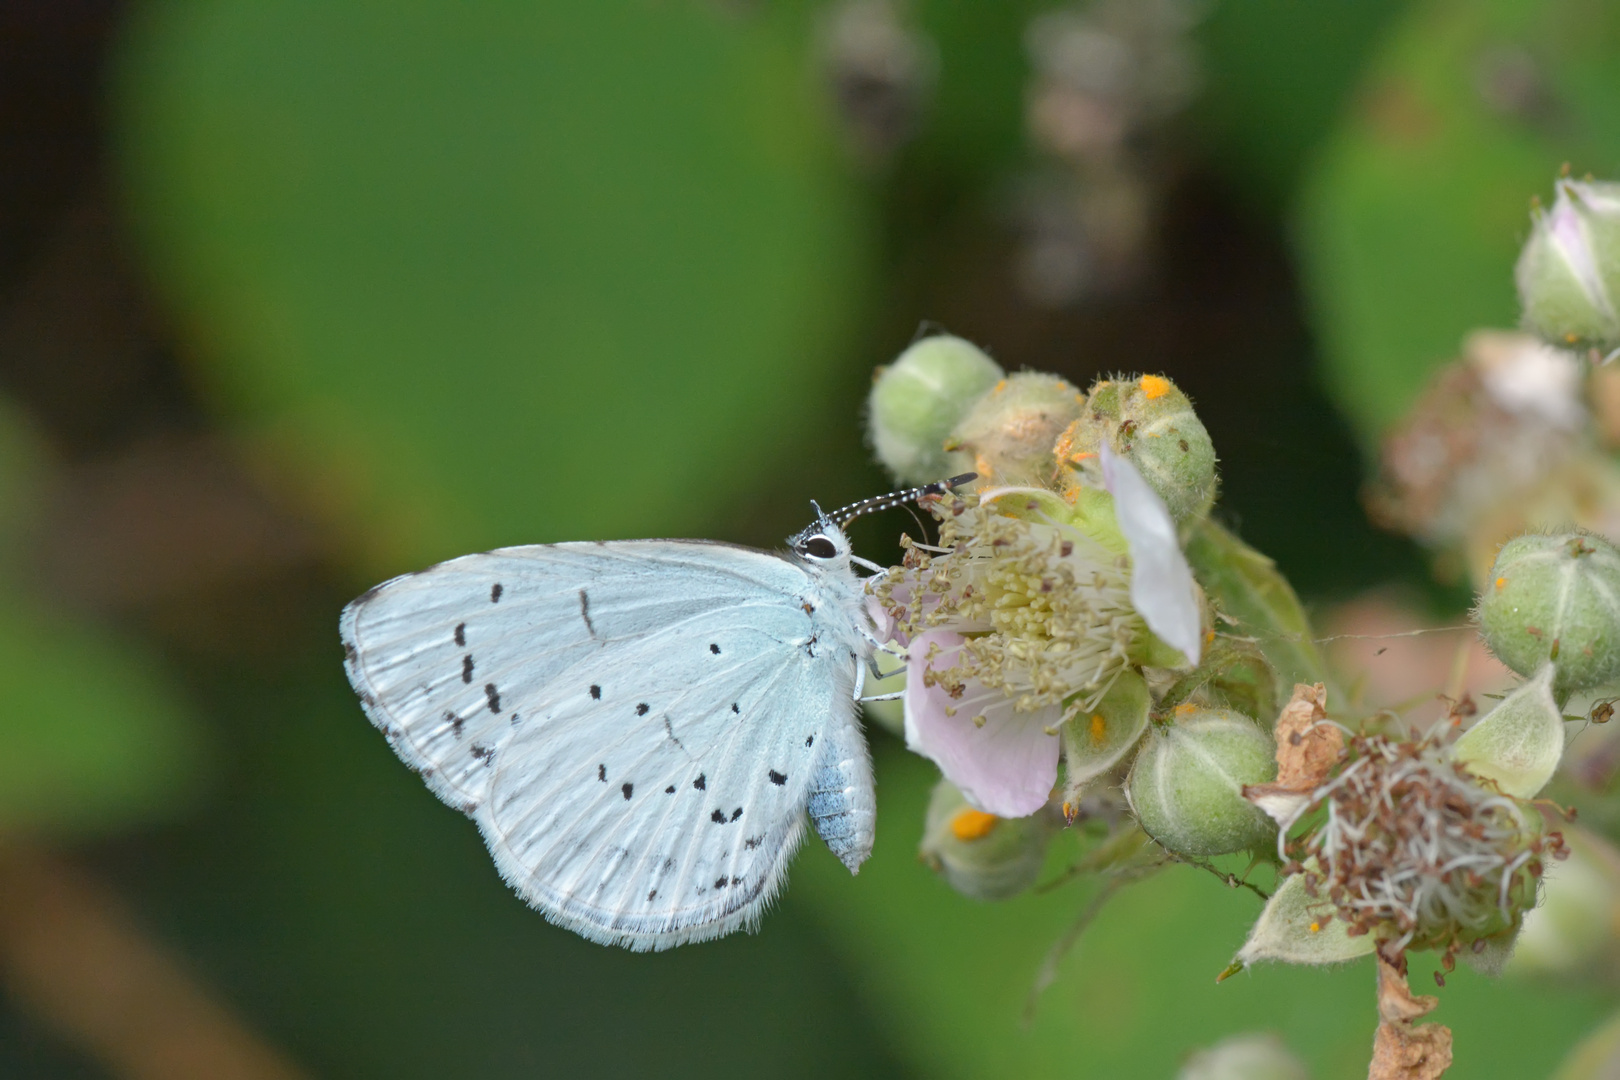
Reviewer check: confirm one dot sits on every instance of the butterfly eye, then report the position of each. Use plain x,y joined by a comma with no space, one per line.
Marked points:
819,547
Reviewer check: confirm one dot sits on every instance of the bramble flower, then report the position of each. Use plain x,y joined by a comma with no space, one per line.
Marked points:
1015,624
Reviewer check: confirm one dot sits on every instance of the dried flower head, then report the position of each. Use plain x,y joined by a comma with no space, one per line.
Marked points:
1416,851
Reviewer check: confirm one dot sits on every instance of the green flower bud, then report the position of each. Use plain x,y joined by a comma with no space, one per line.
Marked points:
1011,430
1186,785
918,400
1517,744
1569,271
1151,422
980,855
1253,1056
1555,598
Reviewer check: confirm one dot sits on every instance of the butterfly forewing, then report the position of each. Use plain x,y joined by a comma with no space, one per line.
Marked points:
635,726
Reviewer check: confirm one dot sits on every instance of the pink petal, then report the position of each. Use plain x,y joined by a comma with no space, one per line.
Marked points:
1006,767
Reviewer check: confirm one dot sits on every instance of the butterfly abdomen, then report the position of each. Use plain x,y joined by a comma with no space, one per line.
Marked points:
843,806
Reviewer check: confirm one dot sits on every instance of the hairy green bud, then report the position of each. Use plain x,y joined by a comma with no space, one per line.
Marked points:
1186,785
1149,421
1569,271
1010,432
1555,598
919,399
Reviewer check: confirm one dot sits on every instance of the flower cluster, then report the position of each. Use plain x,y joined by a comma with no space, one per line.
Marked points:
1055,577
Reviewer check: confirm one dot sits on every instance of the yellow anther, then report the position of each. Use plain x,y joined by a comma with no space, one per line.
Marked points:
999,387
1186,709
1500,582
971,824
1209,636
1316,927
1154,386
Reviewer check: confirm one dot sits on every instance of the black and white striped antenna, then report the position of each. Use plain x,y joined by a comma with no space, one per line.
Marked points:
844,516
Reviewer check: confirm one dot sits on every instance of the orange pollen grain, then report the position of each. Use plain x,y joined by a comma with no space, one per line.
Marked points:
1154,386
1316,927
999,387
971,824
1099,728
1500,582
1186,709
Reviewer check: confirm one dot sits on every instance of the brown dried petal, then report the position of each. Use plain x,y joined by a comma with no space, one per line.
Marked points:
1307,748
1403,1050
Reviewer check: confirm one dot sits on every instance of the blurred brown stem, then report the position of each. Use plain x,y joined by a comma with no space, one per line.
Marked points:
73,958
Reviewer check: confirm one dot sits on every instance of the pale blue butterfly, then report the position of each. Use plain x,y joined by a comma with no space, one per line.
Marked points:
638,727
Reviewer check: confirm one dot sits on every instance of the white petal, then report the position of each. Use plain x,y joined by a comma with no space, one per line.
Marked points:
1162,588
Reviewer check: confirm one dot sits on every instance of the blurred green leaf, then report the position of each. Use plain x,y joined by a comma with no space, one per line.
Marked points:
92,735
486,275
1277,73
1413,216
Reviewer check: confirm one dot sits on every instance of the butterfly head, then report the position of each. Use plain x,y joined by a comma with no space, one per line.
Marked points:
822,543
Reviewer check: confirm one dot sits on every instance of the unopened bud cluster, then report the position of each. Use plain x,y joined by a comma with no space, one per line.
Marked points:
945,407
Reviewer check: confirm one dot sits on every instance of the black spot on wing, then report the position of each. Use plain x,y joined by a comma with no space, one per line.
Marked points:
714,648
627,789
718,817
461,634
495,592
670,790
601,773
777,778
737,813
753,842
652,895
585,612
735,709
467,668
457,722
641,710
349,652
596,692
494,696
486,754
700,783
809,740
720,882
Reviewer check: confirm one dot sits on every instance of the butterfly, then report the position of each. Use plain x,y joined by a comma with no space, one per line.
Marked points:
640,728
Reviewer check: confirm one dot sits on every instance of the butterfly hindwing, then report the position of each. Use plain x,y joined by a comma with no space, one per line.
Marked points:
637,727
